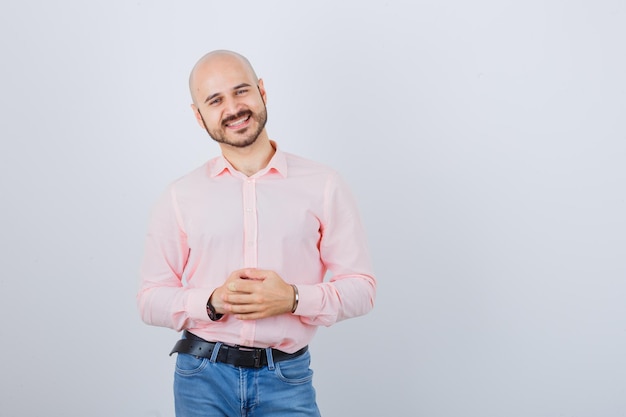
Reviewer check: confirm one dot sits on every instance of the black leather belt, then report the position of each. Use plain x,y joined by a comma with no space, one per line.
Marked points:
240,356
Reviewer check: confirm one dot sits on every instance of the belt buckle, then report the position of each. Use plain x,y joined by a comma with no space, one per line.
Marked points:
256,356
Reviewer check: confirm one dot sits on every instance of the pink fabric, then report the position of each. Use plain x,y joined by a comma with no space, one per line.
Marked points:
295,217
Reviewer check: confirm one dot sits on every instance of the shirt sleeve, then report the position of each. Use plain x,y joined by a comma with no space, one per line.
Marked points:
162,299
351,289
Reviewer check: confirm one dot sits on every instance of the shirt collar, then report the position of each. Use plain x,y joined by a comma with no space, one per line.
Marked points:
277,165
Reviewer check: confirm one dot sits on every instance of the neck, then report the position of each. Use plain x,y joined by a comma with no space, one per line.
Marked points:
251,159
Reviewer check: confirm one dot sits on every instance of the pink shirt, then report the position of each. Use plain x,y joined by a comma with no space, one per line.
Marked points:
295,217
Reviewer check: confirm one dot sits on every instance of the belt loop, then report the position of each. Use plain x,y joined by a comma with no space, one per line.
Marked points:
270,358
216,351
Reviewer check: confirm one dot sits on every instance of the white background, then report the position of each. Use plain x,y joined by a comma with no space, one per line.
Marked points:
485,141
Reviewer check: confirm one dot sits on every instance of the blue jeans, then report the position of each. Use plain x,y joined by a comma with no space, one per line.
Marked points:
205,388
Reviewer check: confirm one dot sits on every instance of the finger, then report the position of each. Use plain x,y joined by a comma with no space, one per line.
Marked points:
237,274
243,286
243,309
238,299
248,312
236,285
255,274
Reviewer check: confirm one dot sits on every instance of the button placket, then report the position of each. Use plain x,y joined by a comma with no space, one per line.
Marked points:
250,252
250,224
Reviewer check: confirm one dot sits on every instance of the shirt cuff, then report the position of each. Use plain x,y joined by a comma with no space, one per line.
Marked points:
310,298
196,303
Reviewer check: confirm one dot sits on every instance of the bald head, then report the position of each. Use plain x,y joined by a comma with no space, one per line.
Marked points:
216,63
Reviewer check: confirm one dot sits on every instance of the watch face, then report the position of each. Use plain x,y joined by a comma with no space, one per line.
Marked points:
210,310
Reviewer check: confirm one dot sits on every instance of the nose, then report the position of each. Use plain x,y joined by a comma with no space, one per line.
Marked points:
231,107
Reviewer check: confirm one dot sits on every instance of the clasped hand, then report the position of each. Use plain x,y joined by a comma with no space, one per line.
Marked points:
251,294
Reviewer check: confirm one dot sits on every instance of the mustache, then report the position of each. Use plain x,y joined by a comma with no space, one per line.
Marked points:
236,116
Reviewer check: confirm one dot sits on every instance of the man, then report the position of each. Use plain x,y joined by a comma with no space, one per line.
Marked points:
236,256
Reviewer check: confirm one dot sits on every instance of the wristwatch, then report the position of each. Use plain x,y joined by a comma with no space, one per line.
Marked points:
210,310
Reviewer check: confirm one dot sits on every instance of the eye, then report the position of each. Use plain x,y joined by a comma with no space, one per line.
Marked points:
241,91
215,101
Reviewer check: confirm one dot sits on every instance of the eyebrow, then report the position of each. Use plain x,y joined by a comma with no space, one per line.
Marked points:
237,87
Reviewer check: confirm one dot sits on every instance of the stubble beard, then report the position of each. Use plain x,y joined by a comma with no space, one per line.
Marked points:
245,140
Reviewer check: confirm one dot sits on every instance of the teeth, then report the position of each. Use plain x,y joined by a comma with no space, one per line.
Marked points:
238,122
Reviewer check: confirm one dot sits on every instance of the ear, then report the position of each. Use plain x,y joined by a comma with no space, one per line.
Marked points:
198,116
262,91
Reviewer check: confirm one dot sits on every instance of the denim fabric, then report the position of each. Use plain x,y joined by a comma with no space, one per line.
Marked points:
205,388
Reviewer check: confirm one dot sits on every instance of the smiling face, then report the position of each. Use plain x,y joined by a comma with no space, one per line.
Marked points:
229,100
